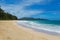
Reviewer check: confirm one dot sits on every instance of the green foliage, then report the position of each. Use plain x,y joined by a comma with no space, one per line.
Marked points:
6,16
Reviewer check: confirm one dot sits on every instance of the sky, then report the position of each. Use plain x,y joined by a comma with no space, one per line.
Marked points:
47,9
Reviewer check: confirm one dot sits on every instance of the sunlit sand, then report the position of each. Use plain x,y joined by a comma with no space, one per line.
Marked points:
9,30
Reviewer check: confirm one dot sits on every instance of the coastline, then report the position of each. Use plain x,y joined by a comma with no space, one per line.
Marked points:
9,30
21,23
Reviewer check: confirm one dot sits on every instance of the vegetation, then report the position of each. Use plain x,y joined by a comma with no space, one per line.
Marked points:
31,18
6,16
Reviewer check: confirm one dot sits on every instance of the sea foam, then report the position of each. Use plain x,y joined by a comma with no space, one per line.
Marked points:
39,26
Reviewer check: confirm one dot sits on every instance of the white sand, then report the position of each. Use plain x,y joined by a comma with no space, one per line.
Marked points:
9,30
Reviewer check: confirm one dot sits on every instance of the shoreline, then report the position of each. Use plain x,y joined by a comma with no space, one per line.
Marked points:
39,30
9,30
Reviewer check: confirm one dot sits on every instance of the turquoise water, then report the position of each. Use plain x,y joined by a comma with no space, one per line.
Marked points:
54,22
45,25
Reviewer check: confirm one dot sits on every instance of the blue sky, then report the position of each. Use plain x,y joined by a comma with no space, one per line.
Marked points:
47,9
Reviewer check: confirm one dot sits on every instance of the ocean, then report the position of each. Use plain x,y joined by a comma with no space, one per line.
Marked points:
47,26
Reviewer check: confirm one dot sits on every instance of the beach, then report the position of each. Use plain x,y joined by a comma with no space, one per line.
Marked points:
9,30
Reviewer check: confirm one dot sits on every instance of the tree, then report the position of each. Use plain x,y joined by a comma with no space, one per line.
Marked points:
6,16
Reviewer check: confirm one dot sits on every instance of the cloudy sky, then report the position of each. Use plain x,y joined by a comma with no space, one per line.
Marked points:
47,9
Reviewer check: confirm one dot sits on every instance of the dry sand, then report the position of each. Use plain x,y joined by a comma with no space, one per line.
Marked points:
9,30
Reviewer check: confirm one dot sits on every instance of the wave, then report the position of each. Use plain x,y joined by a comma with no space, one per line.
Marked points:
39,26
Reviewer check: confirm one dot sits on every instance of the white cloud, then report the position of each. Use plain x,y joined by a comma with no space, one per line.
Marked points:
19,10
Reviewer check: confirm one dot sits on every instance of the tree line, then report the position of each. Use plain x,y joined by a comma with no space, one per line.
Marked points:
6,16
